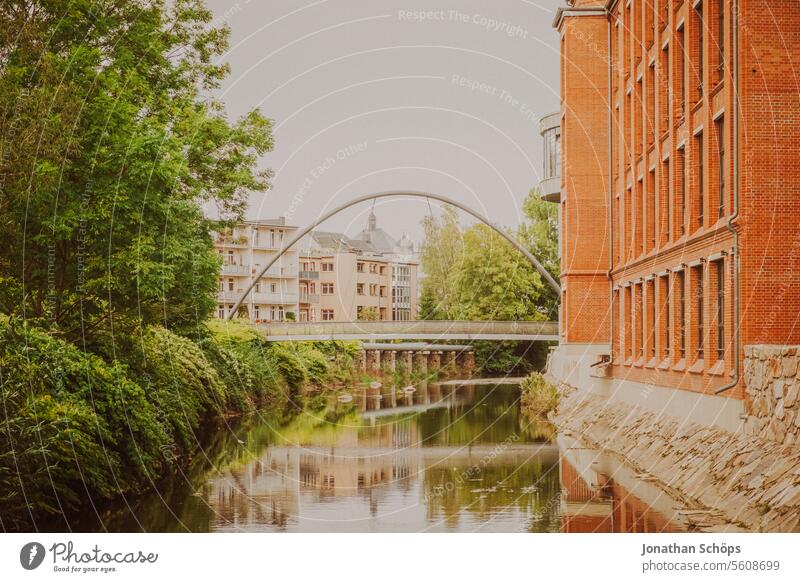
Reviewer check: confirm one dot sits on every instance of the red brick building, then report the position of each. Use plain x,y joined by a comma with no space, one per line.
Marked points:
680,192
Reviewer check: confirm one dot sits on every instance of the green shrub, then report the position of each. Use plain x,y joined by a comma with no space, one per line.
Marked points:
539,397
180,382
73,425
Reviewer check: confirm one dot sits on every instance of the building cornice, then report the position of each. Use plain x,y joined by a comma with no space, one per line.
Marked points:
563,12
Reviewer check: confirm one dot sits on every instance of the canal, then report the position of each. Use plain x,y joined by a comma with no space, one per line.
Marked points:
443,458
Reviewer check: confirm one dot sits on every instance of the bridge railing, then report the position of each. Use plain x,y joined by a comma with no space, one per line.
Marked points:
418,327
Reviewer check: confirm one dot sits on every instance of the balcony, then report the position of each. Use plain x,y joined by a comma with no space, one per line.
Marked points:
287,273
550,184
309,297
550,189
286,298
236,270
231,241
312,275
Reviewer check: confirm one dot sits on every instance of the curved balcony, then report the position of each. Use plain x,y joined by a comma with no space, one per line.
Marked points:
550,184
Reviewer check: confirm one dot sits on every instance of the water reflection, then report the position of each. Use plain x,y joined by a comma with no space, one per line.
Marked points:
442,458
604,496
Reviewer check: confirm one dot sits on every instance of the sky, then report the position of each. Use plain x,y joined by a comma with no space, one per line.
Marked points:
436,96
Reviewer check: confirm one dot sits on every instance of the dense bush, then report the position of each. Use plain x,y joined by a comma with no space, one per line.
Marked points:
77,426
72,424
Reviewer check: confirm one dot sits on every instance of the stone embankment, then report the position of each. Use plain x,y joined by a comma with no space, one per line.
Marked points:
735,480
773,390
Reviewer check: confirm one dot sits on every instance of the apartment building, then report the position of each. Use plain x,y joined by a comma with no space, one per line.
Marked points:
244,250
348,279
680,195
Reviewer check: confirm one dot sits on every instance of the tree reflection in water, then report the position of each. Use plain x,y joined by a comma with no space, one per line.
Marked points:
445,458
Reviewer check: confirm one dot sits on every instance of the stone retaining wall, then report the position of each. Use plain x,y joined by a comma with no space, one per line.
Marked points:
772,382
740,480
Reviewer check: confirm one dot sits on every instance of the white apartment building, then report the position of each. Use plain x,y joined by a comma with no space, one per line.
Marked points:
244,250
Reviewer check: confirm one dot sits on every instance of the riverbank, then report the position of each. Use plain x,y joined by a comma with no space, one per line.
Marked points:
729,481
82,429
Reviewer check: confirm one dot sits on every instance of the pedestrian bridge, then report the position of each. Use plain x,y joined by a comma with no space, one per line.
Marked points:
410,330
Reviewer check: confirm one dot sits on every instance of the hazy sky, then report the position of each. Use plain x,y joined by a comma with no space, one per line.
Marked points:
437,96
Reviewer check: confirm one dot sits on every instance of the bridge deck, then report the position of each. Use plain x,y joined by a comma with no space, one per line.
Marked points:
411,330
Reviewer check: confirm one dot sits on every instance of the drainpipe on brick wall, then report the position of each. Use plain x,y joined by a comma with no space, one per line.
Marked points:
735,215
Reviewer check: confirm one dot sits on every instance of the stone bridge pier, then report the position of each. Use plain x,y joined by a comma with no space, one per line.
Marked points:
415,358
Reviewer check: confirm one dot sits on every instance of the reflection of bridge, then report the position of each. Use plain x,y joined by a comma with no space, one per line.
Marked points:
411,330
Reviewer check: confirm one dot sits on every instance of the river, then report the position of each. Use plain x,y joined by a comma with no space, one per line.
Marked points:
445,458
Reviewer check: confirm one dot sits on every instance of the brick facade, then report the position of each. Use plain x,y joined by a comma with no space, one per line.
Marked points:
679,170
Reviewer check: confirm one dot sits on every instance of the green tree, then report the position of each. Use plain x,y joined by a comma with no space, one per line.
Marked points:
440,255
539,233
111,146
368,314
494,281
477,275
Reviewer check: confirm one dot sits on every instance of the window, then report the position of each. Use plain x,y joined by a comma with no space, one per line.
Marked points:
617,306
383,270
697,274
639,213
640,320
627,308
231,260
720,273
221,285
681,320
720,125
360,288
383,291
681,63
273,288
680,208
256,312
664,91
627,47
665,204
700,180
626,229
360,267
373,289
651,107
221,311
698,10
327,288
327,314
327,267
651,317
666,317
373,268
720,38
272,238
230,284
651,208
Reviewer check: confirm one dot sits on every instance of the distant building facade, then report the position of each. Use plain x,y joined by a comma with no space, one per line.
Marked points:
370,277
244,250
